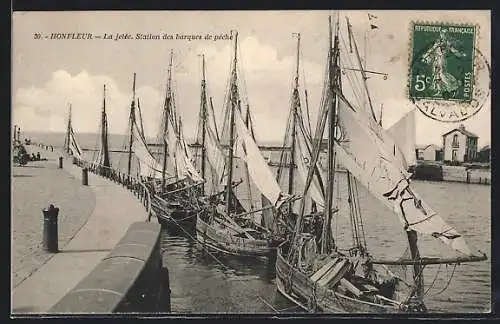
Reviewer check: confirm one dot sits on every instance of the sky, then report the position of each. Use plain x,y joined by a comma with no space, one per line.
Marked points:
49,74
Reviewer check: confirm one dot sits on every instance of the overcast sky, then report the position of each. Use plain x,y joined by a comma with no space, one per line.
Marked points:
49,74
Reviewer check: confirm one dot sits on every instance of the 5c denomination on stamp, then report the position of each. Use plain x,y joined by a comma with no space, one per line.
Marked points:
449,78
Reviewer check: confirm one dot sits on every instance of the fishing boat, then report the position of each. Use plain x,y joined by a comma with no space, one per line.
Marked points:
71,146
101,162
296,152
225,224
312,268
173,182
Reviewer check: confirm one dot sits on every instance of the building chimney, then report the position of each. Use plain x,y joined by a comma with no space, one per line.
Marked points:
462,127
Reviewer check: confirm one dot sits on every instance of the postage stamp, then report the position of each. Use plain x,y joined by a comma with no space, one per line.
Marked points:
447,73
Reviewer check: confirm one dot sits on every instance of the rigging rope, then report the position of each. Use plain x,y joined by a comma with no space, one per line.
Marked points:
448,283
216,259
433,281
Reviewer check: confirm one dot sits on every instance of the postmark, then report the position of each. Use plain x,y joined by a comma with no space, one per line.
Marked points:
449,78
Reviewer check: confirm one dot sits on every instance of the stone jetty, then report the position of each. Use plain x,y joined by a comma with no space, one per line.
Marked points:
92,220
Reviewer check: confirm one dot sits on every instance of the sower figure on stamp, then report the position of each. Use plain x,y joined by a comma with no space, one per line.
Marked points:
442,81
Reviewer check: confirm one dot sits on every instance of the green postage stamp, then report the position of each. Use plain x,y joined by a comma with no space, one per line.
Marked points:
444,68
443,62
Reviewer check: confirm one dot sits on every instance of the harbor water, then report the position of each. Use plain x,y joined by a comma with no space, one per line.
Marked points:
203,282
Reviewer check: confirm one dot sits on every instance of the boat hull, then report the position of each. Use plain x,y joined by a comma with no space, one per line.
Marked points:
302,291
223,241
175,220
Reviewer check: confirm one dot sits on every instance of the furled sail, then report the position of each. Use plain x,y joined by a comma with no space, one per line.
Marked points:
259,171
148,165
185,159
302,160
98,158
215,154
178,151
362,150
403,133
74,146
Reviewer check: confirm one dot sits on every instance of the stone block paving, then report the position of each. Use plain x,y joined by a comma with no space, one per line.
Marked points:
34,187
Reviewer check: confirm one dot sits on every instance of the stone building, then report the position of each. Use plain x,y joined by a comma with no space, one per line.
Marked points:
460,145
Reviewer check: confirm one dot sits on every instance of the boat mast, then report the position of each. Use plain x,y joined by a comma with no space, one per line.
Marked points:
249,125
380,117
204,123
233,98
132,120
361,68
213,118
104,135
332,82
68,132
295,102
166,116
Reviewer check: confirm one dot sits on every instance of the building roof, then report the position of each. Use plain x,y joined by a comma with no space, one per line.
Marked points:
486,147
426,146
462,130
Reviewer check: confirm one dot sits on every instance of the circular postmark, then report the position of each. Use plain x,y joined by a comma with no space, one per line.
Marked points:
449,79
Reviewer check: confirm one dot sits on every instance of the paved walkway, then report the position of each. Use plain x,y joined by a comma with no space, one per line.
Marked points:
34,188
115,209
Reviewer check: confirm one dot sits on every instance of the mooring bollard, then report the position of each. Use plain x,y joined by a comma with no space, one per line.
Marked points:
85,176
60,162
50,236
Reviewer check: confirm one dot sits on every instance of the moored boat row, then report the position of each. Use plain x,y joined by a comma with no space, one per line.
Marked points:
229,200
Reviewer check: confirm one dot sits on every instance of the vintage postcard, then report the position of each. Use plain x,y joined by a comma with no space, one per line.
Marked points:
262,162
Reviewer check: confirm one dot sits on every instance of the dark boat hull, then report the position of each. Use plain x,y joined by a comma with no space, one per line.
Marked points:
301,290
174,219
223,241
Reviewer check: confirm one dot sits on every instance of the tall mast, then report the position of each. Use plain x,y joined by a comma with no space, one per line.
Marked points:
295,102
131,120
234,103
68,132
361,68
332,82
104,135
166,110
204,123
248,124
213,117
380,117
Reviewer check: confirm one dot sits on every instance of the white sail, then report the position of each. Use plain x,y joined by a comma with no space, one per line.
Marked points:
148,165
98,158
179,155
74,146
215,154
259,171
189,166
364,153
303,160
403,132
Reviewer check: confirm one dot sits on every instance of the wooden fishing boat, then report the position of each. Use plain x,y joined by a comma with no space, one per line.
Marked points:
320,273
71,146
172,182
224,224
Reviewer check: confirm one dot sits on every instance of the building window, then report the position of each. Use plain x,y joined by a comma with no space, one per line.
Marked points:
454,154
455,141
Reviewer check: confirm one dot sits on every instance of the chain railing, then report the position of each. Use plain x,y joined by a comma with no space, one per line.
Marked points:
138,186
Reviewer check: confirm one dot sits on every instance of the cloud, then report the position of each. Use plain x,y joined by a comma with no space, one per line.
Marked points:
265,78
46,109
